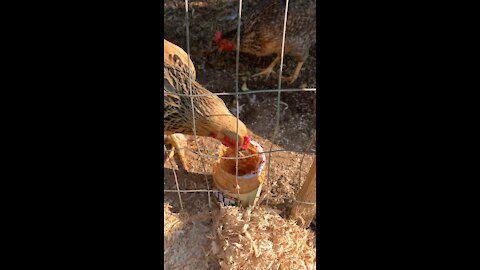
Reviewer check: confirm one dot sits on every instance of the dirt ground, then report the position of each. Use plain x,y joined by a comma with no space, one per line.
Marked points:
216,72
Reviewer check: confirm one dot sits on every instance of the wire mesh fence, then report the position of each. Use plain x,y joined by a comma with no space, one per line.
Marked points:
270,152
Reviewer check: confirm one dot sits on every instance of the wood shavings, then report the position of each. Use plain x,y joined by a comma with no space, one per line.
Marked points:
237,239
261,239
186,241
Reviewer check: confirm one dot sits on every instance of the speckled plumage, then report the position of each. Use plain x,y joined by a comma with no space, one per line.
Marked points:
262,29
177,113
212,118
262,33
176,56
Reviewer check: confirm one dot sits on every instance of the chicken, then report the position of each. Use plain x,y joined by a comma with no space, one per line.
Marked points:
212,117
176,56
262,32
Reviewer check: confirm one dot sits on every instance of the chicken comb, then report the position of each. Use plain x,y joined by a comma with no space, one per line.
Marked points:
246,142
218,36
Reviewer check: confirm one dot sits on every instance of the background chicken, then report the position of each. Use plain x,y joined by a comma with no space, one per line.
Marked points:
262,33
212,118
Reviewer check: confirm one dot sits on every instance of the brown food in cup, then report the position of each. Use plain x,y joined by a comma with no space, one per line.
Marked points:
246,165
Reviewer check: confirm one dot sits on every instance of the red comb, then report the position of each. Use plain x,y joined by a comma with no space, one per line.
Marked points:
218,35
246,142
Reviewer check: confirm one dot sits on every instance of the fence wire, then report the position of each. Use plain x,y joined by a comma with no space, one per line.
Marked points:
237,64
176,179
191,99
252,155
277,125
236,94
251,92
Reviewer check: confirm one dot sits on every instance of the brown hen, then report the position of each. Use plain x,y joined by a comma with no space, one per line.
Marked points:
176,56
212,117
262,32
